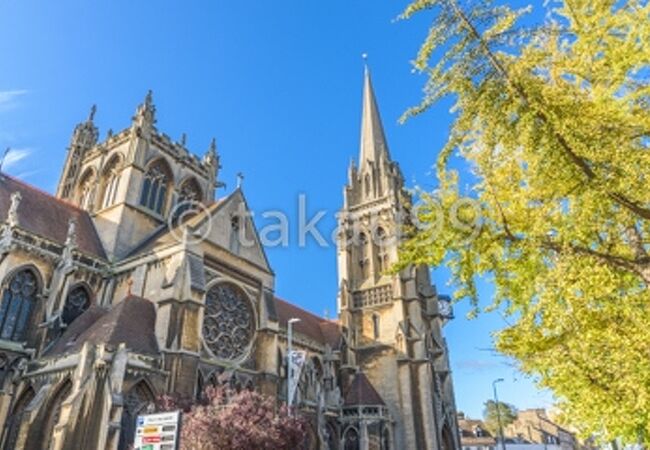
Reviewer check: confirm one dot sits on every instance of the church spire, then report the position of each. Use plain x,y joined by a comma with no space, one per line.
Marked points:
373,140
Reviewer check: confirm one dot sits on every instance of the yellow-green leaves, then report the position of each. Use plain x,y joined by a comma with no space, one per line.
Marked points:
554,123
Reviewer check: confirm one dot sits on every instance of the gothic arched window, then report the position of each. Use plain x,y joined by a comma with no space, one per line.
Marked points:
18,301
188,194
156,187
351,440
136,402
86,190
228,321
382,250
112,182
15,419
363,255
77,301
54,413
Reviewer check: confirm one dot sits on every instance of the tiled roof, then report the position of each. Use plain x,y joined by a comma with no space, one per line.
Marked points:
316,328
47,216
362,392
132,322
468,436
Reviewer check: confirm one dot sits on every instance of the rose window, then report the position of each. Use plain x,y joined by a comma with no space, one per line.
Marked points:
228,321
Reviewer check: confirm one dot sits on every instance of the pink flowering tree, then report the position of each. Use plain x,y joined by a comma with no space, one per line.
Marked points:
227,420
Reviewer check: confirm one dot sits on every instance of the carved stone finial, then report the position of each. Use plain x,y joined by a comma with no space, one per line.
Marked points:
93,111
71,237
109,133
148,100
240,179
12,214
183,140
213,146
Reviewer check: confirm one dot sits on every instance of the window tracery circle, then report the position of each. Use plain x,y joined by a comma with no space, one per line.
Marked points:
228,321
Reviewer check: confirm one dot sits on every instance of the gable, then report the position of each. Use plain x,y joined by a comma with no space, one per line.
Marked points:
228,224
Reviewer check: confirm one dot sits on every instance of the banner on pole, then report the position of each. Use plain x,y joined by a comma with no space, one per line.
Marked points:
296,361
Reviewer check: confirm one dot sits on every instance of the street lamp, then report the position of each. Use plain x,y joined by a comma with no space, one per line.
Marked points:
289,351
496,402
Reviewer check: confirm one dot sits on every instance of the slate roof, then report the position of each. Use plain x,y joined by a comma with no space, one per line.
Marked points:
132,322
362,392
48,216
316,328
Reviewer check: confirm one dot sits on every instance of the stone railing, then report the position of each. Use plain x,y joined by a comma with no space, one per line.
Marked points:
373,296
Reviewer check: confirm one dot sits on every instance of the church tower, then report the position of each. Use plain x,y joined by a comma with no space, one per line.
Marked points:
394,321
136,181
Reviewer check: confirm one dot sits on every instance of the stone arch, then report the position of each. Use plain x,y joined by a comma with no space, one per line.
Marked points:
45,427
21,292
139,398
351,439
110,180
15,418
156,186
85,192
380,245
78,299
189,192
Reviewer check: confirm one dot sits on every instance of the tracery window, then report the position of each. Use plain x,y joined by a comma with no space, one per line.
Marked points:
136,402
77,301
112,177
18,300
86,191
228,322
188,193
155,187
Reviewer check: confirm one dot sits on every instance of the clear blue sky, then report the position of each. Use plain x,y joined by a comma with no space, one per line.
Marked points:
277,83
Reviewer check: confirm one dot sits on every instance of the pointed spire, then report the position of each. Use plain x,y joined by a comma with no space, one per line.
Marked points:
373,140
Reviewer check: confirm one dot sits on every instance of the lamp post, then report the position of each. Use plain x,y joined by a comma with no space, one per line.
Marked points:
496,401
290,323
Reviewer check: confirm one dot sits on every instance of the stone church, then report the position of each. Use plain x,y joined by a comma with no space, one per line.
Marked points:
118,289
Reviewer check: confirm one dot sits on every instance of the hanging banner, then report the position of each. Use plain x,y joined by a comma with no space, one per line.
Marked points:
296,361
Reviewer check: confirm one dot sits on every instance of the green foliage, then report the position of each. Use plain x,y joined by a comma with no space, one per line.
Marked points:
491,418
554,122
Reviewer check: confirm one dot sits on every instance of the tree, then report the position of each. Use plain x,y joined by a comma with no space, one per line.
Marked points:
491,418
225,419
554,122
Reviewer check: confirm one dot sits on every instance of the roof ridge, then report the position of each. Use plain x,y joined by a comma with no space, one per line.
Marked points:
316,316
42,192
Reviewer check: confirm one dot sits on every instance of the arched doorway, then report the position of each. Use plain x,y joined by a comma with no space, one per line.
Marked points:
136,402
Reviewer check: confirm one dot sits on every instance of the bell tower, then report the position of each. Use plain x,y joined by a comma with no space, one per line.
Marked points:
393,320
374,206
